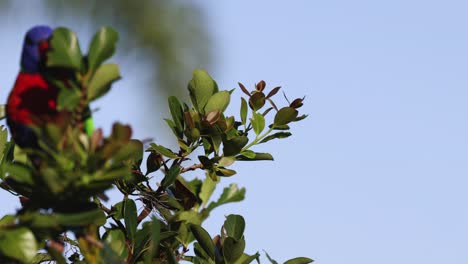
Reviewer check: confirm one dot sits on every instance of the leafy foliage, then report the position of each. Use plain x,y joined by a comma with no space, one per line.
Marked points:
61,183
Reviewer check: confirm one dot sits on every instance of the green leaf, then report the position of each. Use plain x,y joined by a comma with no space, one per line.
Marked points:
257,101
201,88
163,151
234,226
203,239
243,111
233,249
170,176
230,194
19,244
221,171
96,217
234,146
218,101
118,210
130,218
246,259
68,99
270,259
117,242
300,260
258,123
207,190
177,114
258,156
154,241
276,135
65,50
226,161
133,151
102,80
284,116
2,111
102,47
20,173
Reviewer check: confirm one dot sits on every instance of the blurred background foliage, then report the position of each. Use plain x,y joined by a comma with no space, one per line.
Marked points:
169,35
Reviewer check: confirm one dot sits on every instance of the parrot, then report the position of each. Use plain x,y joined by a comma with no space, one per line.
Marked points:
33,100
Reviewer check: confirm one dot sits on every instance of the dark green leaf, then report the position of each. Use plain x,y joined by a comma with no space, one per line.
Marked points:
276,135
201,88
170,176
118,210
230,194
233,249
102,47
258,123
102,80
299,118
270,259
130,218
243,111
285,115
163,151
177,114
234,226
258,156
218,101
19,244
203,239
300,260
257,101
65,50
233,146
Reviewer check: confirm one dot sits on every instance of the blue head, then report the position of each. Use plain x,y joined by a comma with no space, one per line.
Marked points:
34,47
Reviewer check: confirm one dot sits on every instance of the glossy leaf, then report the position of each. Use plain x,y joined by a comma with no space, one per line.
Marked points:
233,249
95,217
234,225
102,47
204,239
258,123
65,50
234,146
201,88
130,218
19,244
300,260
102,80
218,101
68,99
285,115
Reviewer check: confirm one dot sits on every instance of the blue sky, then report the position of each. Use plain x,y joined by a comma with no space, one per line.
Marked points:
378,172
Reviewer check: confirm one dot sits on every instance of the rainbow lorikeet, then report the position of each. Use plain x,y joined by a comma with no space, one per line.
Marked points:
33,100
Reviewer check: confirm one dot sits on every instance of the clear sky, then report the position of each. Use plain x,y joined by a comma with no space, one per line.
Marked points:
378,172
